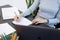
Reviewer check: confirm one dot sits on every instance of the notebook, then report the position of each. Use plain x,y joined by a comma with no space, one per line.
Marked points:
9,12
6,28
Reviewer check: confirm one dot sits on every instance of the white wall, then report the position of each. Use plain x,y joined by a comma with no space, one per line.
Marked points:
3,2
20,4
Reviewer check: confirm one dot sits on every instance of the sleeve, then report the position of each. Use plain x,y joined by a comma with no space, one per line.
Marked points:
55,20
32,8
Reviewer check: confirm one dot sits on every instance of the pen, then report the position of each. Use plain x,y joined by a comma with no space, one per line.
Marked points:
4,37
16,15
14,36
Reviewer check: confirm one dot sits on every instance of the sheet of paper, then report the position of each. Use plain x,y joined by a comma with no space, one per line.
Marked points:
23,21
6,28
9,13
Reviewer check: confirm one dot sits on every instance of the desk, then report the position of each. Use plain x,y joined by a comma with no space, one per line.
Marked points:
34,32
10,20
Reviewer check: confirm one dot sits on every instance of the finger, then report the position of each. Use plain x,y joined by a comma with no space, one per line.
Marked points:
19,16
16,18
34,20
37,22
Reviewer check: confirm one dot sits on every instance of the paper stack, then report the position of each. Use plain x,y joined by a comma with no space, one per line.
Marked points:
6,28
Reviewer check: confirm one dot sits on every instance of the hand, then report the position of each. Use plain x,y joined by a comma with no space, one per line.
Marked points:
17,18
39,20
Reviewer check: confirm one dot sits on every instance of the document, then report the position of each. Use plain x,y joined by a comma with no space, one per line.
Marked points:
23,21
6,28
9,13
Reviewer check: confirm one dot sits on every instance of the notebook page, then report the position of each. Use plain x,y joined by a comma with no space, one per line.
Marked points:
23,21
6,28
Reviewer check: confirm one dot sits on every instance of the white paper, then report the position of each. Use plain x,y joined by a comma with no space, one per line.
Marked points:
10,12
6,28
23,21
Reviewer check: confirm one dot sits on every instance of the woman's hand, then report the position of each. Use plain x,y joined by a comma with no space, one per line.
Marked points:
39,20
18,17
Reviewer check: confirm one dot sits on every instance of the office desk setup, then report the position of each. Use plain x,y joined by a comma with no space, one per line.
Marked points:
33,32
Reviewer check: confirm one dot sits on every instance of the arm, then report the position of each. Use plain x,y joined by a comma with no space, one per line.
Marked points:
54,21
32,8
50,22
57,19
29,10
39,19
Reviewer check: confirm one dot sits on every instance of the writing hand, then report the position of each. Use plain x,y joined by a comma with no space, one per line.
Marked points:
18,17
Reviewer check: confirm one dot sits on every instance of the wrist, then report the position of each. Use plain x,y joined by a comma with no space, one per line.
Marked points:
47,21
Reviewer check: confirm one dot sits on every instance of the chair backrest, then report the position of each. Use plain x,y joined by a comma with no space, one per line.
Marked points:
40,34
